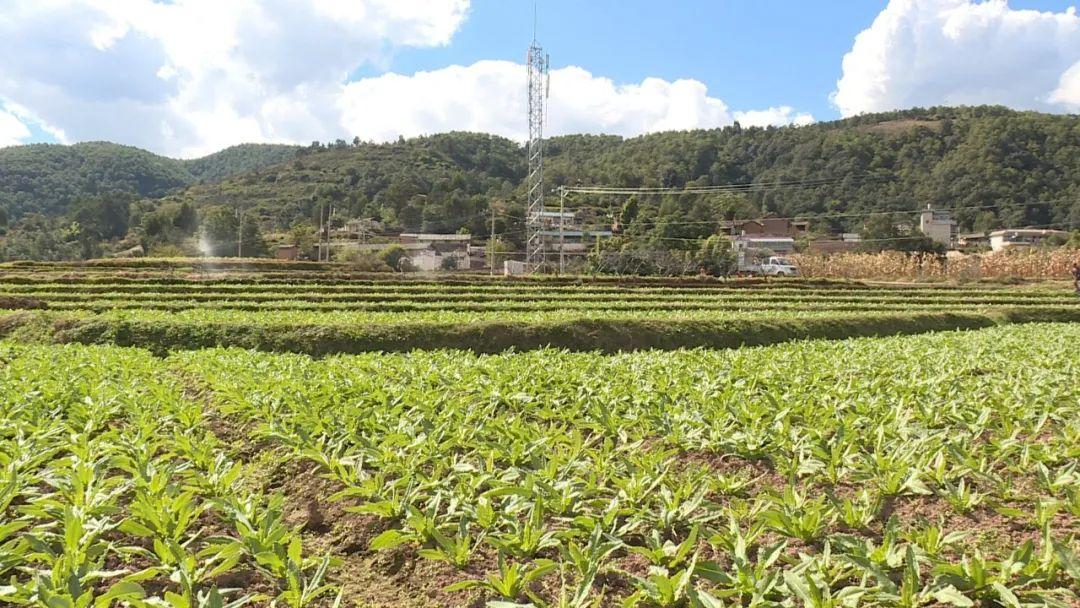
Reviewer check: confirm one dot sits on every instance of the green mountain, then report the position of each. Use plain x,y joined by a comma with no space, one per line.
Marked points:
993,166
237,160
48,178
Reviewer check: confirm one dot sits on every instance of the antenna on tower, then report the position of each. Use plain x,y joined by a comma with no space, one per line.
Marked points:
537,64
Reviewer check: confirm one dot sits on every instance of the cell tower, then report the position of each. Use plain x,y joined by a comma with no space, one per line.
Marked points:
537,64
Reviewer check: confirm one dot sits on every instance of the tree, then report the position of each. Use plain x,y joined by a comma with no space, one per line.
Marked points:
498,252
716,256
103,217
253,245
991,166
395,257
186,219
218,229
302,236
879,233
629,212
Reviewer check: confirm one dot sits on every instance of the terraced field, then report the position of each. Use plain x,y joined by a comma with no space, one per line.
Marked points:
324,309
157,464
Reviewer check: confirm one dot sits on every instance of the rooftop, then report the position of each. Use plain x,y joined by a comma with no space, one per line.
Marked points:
1027,232
426,236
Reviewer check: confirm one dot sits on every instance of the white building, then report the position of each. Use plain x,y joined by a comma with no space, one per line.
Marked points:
938,225
1022,238
429,252
776,244
563,231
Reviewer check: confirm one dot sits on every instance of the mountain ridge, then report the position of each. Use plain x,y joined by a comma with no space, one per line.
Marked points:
996,166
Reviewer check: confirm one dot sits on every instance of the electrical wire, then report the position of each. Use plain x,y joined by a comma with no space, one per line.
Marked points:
758,186
829,216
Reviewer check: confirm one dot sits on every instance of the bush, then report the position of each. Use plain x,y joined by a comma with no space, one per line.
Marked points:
363,261
168,251
606,335
716,257
396,258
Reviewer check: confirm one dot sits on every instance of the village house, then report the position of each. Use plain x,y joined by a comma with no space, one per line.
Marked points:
429,251
1022,238
938,225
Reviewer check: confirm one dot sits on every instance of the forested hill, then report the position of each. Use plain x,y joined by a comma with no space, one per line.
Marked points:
995,166
237,160
988,157
48,178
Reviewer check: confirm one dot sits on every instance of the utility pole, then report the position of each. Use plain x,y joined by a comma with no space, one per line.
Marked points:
239,231
321,222
326,230
491,243
562,235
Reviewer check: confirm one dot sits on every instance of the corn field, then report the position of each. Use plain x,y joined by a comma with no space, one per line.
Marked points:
898,265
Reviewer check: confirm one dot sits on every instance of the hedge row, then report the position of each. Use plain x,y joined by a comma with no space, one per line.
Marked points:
519,308
498,336
79,295
116,276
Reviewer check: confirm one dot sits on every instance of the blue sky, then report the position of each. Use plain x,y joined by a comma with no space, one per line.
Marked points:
750,53
189,77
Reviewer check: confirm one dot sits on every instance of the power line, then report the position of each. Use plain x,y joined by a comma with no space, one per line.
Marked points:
758,186
827,216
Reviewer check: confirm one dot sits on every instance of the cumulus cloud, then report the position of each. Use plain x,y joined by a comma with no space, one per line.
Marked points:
1067,93
190,76
774,117
489,96
12,130
929,52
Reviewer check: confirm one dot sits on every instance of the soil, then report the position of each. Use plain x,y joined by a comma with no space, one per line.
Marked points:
400,577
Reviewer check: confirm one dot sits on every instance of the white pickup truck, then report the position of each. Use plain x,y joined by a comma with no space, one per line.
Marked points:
773,266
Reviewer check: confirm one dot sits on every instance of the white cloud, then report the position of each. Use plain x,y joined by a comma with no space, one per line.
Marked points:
12,130
190,76
929,52
774,117
1068,91
489,96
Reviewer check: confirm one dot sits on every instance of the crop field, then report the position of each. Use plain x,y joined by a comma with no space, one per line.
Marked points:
324,309
905,471
185,436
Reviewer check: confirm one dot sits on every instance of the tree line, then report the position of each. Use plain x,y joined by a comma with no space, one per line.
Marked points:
993,166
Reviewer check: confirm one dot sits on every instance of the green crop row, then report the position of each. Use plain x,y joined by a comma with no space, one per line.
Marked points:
114,492
904,471
388,286
863,472
591,289
527,309
404,297
321,333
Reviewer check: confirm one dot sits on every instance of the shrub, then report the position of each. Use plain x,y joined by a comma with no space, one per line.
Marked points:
396,258
363,261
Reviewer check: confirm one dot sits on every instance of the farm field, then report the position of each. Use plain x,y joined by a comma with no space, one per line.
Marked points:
325,309
263,434
938,469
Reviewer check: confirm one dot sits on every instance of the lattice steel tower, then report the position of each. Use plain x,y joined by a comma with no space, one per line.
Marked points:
537,64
